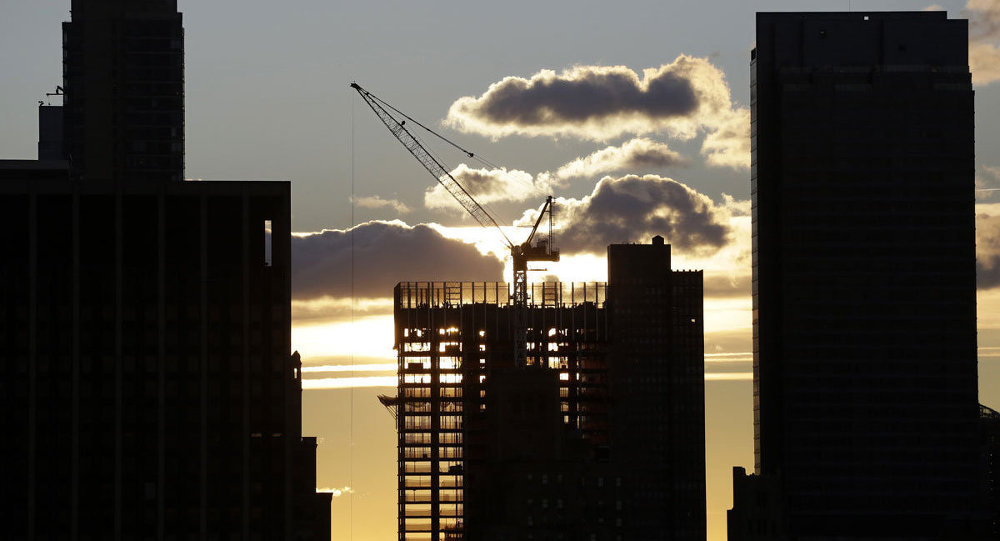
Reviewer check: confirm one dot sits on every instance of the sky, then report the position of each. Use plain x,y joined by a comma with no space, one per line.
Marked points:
632,114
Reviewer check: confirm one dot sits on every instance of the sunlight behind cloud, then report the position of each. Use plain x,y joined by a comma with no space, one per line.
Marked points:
373,367
728,314
349,383
365,337
487,241
580,267
731,357
730,376
336,492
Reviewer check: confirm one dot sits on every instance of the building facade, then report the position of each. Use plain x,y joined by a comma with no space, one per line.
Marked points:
601,436
989,422
864,279
147,386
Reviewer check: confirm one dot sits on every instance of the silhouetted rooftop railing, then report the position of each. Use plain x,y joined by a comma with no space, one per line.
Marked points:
543,294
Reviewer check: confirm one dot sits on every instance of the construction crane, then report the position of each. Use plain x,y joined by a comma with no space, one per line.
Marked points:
521,254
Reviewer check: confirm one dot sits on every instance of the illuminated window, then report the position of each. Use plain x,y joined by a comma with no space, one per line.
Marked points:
267,243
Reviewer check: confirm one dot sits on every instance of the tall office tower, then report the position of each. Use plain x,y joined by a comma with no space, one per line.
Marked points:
123,76
864,279
147,385
657,379
146,388
601,436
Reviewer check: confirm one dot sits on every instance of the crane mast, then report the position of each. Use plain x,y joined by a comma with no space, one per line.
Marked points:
521,254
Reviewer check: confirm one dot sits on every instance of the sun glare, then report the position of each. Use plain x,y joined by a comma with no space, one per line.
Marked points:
369,337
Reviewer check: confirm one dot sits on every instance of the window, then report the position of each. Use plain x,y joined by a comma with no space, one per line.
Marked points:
267,243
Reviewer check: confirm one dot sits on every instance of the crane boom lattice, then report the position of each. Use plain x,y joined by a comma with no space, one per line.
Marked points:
429,162
521,254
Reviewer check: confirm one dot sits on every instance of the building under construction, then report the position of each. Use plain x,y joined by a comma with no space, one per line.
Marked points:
599,436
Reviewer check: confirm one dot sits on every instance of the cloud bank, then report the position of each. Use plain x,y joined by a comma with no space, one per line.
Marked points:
987,250
987,182
487,186
384,253
635,207
984,40
496,185
681,99
636,154
377,202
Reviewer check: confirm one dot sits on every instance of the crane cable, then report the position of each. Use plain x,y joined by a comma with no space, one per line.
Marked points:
468,153
535,189
490,210
350,442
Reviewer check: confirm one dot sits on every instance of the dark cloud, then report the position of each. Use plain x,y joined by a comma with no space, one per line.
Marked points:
636,207
984,40
384,253
725,286
591,93
327,308
987,251
684,98
984,20
988,271
636,154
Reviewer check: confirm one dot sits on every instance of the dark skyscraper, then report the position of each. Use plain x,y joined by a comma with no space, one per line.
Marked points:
600,437
123,76
147,384
864,279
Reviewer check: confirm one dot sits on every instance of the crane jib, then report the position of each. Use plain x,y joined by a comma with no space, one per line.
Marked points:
433,166
520,254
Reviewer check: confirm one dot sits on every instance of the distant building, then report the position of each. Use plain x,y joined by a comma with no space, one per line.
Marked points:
600,437
864,289
123,77
757,513
989,421
50,133
33,170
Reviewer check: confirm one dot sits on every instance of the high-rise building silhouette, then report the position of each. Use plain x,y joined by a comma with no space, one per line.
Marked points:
123,78
601,436
864,280
147,385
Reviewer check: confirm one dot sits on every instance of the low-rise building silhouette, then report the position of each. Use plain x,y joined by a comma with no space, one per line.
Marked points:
989,422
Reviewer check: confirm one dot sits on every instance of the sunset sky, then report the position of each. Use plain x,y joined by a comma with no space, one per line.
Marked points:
633,114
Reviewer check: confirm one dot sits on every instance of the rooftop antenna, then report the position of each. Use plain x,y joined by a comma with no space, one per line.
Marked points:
59,92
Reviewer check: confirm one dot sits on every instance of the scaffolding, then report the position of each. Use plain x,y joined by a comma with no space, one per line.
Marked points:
450,336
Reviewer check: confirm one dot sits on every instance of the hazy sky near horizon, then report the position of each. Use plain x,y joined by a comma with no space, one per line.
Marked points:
267,98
